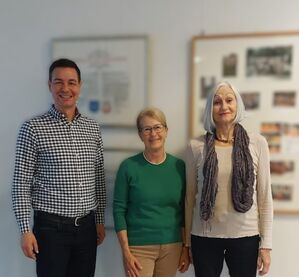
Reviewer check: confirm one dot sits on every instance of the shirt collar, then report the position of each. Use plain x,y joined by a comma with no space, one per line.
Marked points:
61,117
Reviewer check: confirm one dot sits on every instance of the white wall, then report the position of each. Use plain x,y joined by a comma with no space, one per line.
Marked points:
26,29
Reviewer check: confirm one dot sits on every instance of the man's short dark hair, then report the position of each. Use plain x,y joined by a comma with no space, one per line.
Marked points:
64,63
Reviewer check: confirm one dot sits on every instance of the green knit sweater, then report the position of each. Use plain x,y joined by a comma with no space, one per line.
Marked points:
149,200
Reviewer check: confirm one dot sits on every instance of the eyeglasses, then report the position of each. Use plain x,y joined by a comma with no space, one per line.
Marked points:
148,130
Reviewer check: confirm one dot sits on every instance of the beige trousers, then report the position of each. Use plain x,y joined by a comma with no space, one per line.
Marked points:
160,260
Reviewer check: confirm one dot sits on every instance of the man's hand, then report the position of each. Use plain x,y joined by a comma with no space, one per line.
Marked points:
100,233
29,245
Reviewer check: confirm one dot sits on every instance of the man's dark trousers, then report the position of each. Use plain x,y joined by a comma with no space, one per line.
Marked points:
65,250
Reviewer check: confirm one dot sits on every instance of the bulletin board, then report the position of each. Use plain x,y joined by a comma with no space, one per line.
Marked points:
264,67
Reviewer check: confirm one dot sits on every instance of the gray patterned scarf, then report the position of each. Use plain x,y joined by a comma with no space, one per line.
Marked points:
242,175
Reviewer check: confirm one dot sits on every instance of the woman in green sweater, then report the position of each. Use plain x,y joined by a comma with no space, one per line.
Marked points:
148,204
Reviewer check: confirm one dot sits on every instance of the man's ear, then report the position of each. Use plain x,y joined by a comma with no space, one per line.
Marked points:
49,85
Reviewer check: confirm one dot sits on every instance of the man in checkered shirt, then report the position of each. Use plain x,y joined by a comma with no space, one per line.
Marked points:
59,173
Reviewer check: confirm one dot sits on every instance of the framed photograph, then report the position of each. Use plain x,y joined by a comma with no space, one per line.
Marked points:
264,67
284,99
230,63
251,100
113,158
273,61
121,139
114,75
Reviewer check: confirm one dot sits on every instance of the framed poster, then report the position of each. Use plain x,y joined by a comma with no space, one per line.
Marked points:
113,158
114,76
264,67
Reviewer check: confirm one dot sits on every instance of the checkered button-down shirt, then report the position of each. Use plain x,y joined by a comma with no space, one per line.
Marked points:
59,168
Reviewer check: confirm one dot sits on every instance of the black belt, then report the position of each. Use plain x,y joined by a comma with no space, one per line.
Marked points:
75,221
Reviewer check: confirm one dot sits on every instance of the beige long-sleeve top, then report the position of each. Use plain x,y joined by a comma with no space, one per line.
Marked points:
226,221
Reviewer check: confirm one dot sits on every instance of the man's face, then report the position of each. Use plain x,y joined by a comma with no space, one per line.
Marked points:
65,88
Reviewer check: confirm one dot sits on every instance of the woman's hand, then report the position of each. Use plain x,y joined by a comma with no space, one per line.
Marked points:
263,261
132,265
184,260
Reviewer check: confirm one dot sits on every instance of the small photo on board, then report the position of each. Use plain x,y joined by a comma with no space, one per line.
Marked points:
273,139
274,148
206,86
272,132
251,100
281,167
274,142
229,65
269,61
291,130
271,128
282,192
284,99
